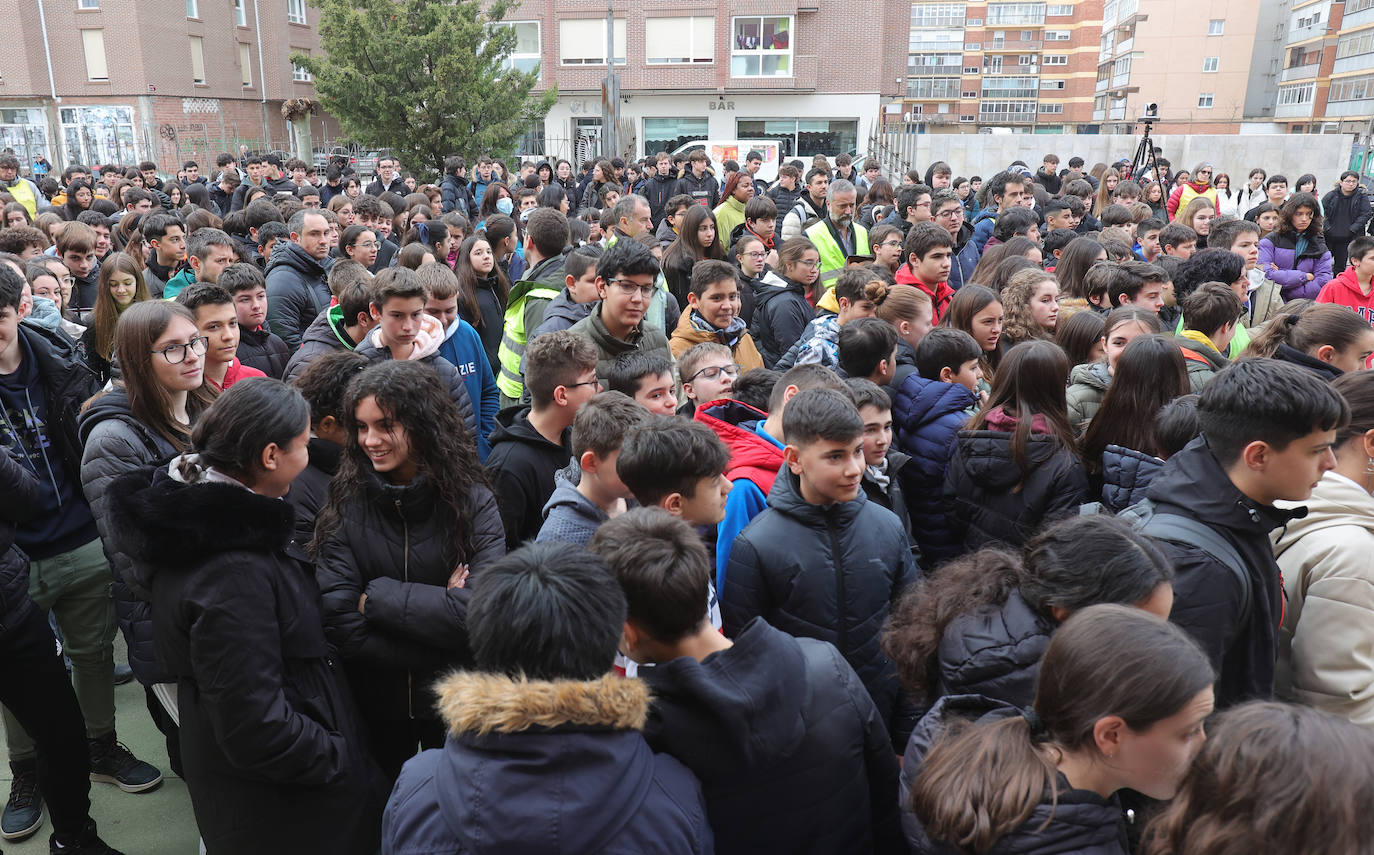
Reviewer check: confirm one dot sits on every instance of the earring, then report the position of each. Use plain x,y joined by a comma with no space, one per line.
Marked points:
1369,467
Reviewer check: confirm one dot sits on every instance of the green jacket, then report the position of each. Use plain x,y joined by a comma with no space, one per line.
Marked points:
647,338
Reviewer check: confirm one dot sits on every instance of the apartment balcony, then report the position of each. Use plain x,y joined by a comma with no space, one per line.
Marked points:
1116,114
1363,62
997,117
1120,81
1294,111
1102,86
1311,31
805,71
1012,45
934,71
1099,115
1352,20
1124,46
1342,109
1015,20
1298,72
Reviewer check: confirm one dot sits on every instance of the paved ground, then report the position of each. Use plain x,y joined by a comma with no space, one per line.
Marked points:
159,822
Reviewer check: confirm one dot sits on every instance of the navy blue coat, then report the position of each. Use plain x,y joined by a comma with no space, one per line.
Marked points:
995,652
1125,475
927,416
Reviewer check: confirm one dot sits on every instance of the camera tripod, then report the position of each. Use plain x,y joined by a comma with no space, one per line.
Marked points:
1145,154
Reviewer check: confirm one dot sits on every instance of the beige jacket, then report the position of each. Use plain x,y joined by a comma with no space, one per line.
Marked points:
1326,646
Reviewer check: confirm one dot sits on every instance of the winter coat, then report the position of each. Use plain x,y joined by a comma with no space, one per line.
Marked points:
983,225
995,652
397,545
665,234
544,768
677,273
562,313
890,495
754,464
791,753
1180,197
795,218
1235,203
117,444
1326,658
457,196
927,417
1087,387
1126,474
1324,370
658,189
831,573
1203,362
462,347
704,190
728,214
310,490
426,351
966,258
1278,259
1080,822
521,467
18,501
1345,217
939,296
324,335
271,742
1207,594
1345,290
781,312
783,198
263,350
492,320
297,291
980,487
569,516
397,186
646,338
89,354
686,336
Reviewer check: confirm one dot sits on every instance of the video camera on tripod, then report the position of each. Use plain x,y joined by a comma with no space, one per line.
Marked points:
1145,152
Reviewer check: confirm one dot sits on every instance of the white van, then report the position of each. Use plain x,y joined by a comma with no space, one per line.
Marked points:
722,150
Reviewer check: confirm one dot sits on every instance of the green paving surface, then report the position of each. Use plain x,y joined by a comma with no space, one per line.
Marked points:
158,822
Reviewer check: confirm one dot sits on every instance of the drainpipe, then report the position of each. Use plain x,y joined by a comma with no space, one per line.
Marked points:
262,77
58,158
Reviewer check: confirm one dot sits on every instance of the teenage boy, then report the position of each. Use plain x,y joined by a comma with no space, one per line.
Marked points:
1210,316
820,531
1147,235
342,326
626,279
462,346
1216,265
819,341
258,347
787,188
541,724
1353,287
1178,240
1275,193
754,438
1047,175
928,251
546,234
713,314
76,250
1004,192
1018,222
708,372
673,210
574,511
883,463
1063,213
647,379
760,221
913,204
579,294
659,187
1055,242
679,466
1141,285
698,182
371,212
1118,216
759,793
867,349
531,443
208,252
1264,297
1268,428
100,224
217,320
930,409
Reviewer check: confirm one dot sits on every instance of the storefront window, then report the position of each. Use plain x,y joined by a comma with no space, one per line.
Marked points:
802,138
98,135
668,134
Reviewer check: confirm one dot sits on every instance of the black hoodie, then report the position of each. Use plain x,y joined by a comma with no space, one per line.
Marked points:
521,467
658,189
781,312
790,750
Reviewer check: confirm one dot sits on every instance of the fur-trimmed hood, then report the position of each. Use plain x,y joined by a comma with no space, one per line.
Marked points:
481,703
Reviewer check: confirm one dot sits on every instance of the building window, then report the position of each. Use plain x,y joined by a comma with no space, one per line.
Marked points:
295,11
1055,59
973,46
932,87
937,15
582,41
192,9
978,22
1216,26
1204,101
1353,6
1057,35
1059,10
672,134
299,74
802,137
1350,89
93,44
1302,94
679,41
240,14
1015,14
1314,18
198,60
1010,87
88,4
970,69
967,119
98,134
525,55
1355,43
1051,108
968,94
1051,84
245,65
1210,63
761,47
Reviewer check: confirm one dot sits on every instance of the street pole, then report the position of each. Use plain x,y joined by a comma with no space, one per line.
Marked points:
610,91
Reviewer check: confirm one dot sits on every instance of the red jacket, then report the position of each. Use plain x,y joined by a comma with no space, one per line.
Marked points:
237,371
939,297
751,456
1344,290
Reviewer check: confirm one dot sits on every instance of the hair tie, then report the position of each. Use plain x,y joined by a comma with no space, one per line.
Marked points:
422,228
1038,731
1292,319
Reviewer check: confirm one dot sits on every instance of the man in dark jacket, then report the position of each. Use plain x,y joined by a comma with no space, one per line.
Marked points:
297,284
1345,216
822,561
698,182
659,187
544,752
1268,428
765,722
456,191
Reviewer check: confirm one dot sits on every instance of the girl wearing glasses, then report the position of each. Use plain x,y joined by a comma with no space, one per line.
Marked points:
360,244
143,420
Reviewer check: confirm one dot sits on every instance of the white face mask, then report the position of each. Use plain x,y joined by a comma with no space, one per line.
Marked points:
504,205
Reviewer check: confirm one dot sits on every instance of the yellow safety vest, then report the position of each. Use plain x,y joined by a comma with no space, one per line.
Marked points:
833,256
510,379
22,191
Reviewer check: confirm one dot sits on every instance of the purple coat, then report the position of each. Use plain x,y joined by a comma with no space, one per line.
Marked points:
1277,259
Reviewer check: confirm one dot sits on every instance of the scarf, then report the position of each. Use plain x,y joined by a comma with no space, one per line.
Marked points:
729,336
999,419
878,475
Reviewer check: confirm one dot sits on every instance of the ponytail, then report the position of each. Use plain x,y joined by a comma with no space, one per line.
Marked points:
1306,326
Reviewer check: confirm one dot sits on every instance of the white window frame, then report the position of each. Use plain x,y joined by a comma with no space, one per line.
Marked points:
693,57
1051,109
760,52
965,119
1216,27
1206,100
1054,59
240,13
246,65
1058,35
88,4
300,74
89,47
295,12
510,61
583,62
1059,10
193,8
1210,64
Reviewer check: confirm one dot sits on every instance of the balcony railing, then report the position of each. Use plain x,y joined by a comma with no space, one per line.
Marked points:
1298,72
1296,111
934,70
995,116
1013,44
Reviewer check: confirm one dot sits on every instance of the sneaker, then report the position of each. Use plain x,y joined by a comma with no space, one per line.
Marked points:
123,674
24,811
87,843
113,763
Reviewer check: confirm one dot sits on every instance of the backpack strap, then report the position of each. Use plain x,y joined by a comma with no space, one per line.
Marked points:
1190,532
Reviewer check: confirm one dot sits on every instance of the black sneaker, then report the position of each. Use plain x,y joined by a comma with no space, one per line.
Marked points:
87,843
24,811
113,763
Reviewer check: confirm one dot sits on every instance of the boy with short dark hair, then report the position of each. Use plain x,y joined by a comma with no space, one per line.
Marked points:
820,531
760,221
259,347
574,511
883,462
76,249
1353,287
578,297
677,465
868,350
930,409
344,325
1178,240
626,276
647,379
166,237
1210,315
217,319
1140,285
1054,245
1242,237
713,314
1060,213
673,210
758,793
1147,237
928,253
1268,428
707,372
1118,216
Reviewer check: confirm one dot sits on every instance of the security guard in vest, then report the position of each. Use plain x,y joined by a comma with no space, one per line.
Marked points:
546,235
837,237
24,191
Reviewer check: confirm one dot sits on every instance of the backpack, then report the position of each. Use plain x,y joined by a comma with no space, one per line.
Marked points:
1186,531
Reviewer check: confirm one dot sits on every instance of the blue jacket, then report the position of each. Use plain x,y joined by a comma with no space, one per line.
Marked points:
463,348
544,768
926,418
982,228
1126,473
966,255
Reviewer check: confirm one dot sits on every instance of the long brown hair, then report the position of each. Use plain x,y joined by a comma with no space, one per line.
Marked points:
1272,778
1149,374
149,401
1030,382
687,242
106,311
1307,328
980,783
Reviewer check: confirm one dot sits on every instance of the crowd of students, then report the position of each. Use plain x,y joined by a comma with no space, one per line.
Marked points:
653,510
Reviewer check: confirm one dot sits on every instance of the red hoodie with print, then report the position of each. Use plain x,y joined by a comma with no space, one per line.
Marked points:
939,296
1345,290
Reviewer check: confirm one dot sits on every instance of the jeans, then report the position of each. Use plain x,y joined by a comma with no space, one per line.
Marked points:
76,587
34,685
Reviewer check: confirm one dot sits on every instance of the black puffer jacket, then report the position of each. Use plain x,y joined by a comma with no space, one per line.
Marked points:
995,652
1126,473
781,312
272,745
394,545
981,494
825,572
297,291
117,444
1076,822
493,318
263,350
521,467
18,500
373,351
790,751
658,189
311,488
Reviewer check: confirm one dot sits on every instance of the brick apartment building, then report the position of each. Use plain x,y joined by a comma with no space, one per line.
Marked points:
1326,76
100,81
812,75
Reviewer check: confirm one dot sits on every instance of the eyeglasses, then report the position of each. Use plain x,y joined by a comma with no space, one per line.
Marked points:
891,244
754,255
593,382
951,214
711,373
812,264
176,353
367,244
629,288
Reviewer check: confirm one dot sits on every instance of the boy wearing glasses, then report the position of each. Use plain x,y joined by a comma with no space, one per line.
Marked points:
708,373
949,213
626,277
713,314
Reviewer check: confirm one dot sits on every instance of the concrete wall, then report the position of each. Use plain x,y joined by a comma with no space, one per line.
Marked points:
1324,155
